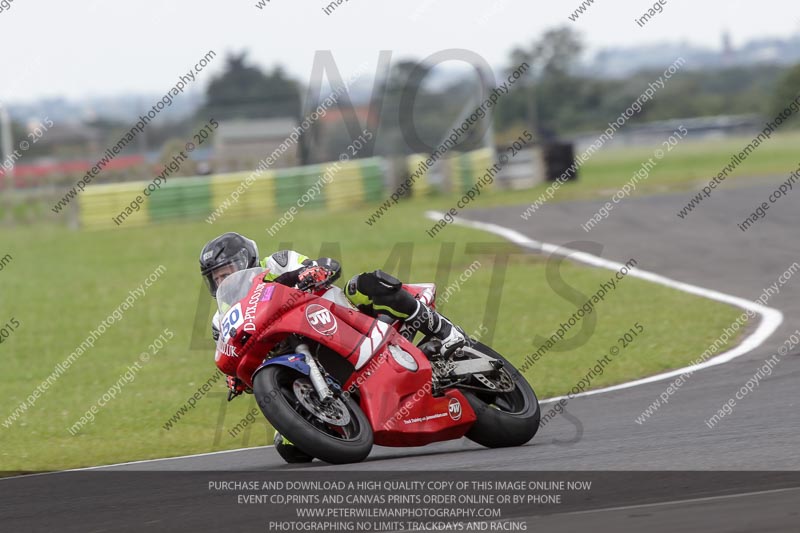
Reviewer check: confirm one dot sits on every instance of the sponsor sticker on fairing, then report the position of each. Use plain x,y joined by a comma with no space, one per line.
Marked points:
252,306
268,293
454,409
321,319
227,349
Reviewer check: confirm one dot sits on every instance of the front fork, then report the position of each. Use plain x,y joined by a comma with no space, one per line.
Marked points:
317,379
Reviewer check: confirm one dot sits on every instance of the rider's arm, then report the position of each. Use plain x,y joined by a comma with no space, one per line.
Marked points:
215,326
284,267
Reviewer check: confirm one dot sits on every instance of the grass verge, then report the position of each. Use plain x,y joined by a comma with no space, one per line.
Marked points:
63,283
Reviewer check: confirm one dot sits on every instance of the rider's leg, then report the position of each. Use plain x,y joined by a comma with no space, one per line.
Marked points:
378,292
432,323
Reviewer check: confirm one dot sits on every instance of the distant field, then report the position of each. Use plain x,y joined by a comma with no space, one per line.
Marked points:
686,166
691,162
62,283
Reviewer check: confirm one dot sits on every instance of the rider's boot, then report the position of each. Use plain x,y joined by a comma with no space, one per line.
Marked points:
290,452
433,324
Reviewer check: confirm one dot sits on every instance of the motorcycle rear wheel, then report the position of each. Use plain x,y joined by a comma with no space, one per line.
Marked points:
276,390
504,419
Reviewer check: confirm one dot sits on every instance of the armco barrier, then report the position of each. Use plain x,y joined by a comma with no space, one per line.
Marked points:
467,168
354,183
460,171
422,185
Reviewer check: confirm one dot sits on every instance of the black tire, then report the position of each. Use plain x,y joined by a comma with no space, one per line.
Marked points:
506,419
274,392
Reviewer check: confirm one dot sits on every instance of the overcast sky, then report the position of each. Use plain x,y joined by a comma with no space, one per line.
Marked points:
105,47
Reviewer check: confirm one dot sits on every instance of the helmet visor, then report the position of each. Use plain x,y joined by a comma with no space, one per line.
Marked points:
224,268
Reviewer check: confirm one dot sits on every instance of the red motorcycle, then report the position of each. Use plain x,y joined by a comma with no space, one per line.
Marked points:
334,380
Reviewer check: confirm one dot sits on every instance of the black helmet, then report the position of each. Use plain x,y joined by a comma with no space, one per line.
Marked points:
227,249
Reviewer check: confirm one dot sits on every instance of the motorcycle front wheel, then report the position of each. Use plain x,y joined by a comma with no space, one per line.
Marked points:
336,432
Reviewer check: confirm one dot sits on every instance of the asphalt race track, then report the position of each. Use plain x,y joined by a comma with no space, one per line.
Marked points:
706,249
600,433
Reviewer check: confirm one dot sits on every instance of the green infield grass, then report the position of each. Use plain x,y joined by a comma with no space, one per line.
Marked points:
61,284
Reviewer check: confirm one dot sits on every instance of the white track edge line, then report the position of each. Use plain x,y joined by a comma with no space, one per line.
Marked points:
772,318
220,452
142,461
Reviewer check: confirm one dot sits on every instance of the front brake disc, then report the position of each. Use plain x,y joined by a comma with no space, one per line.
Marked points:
333,412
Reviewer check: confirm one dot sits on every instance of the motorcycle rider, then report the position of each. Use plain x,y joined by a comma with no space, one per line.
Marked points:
373,293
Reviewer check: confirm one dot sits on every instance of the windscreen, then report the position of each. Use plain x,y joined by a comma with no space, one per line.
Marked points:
235,287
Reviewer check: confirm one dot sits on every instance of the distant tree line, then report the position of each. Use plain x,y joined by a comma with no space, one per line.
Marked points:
567,102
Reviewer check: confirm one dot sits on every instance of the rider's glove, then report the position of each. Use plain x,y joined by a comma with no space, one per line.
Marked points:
331,265
313,277
236,387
